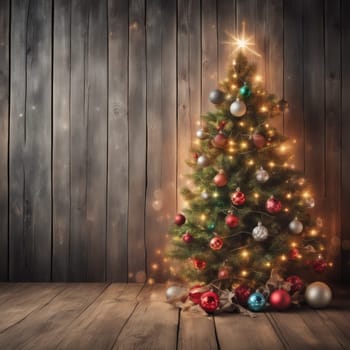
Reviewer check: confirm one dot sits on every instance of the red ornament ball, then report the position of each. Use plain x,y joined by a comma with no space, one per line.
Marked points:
319,265
195,294
231,221
242,294
199,264
187,238
293,254
220,179
179,219
216,243
273,205
296,283
259,140
220,140
224,273
280,299
238,197
209,302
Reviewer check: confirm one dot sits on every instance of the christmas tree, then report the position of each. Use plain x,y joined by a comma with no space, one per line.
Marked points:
249,212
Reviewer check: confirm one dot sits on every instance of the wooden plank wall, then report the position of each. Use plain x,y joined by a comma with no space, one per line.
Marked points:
99,104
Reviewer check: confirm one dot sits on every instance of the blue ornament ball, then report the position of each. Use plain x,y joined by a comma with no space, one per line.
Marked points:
256,302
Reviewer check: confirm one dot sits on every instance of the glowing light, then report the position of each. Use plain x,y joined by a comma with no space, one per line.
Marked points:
271,164
203,217
158,252
283,148
244,273
241,124
197,142
251,162
231,142
251,129
244,254
289,195
330,264
165,260
258,78
263,109
231,150
283,258
215,195
242,42
233,87
294,141
294,244
268,264
313,232
244,145
256,195
267,125
151,281
286,210
155,266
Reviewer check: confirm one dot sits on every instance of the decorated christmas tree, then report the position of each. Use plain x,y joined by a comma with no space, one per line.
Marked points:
249,211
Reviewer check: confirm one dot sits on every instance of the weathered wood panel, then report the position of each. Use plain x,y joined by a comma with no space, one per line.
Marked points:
4,122
61,140
188,84
161,130
117,191
30,192
137,142
345,140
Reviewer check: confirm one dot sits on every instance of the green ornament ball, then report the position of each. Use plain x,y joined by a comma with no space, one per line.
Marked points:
245,91
211,226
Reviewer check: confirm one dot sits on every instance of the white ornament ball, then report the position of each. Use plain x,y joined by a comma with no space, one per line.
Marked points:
238,108
318,295
201,134
296,226
202,161
262,175
175,292
260,232
205,195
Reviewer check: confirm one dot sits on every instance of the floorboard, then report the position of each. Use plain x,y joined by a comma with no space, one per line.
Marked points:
98,316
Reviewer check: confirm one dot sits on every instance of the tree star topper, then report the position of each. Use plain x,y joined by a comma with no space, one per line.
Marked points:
242,42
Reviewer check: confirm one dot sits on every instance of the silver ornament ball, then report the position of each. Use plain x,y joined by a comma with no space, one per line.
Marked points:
175,292
201,134
202,161
238,108
260,232
205,195
262,175
296,226
216,97
318,295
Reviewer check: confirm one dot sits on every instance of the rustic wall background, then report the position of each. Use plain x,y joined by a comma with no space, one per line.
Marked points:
99,101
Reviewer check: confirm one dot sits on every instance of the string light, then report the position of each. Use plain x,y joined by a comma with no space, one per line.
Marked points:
313,232
251,162
294,244
283,257
244,145
263,109
288,195
271,164
256,195
203,217
283,148
267,125
258,78
244,254
155,266
286,210
215,195
241,124
231,142
268,264
244,273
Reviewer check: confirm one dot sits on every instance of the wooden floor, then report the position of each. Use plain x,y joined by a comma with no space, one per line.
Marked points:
134,316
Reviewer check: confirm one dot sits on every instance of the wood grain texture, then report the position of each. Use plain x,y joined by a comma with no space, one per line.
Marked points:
197,331
137,142
32,159
293,78
117,191
345,140
46,327
333,132
161,131
103,320
96,194
61,140
4,133
209,53
188,85
78,244
153,324
313,75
